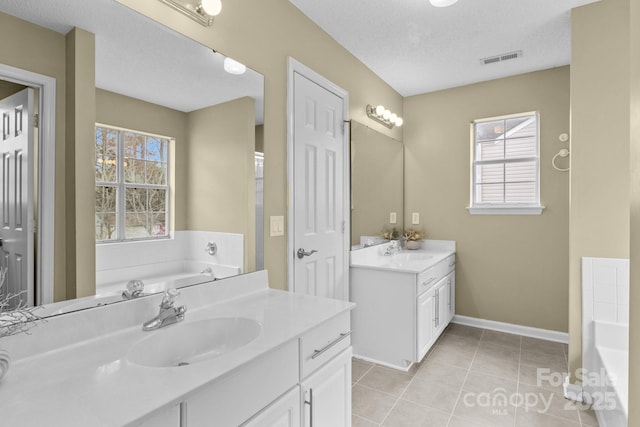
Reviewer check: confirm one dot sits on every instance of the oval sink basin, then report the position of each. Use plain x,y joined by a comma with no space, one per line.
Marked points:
188,343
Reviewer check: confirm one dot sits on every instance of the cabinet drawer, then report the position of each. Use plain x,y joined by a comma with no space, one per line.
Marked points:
430,277
321,344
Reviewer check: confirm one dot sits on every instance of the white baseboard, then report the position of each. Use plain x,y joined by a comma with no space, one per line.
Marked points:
573,391
378,362
527,331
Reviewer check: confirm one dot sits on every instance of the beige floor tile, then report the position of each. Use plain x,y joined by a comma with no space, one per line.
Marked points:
357,421
386,380
588,417
437,396
534,419
460,422
463,330
439,373
358,369
498,351
461,343
541,377
539,400
501,338
371,404
542,346
489,413
505,368
555,362
409,414
451,356
482,383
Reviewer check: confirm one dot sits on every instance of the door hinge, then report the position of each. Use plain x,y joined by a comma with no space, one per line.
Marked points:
35,120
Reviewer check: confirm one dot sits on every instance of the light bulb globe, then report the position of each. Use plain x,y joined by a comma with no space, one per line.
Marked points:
232,66
399,121
380,110
212,7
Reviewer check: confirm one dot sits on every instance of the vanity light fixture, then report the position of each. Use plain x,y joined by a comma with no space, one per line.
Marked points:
232,66
201,11
384,116
442,3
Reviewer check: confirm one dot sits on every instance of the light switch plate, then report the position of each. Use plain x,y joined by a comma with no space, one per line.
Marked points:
393,218
415,218
277,226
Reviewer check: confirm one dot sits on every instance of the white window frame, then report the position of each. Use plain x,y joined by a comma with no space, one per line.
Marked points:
121,187
504,208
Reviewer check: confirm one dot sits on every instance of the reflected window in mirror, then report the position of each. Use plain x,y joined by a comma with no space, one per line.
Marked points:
132,187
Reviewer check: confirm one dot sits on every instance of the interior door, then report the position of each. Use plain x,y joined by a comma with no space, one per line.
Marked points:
318,189
16,195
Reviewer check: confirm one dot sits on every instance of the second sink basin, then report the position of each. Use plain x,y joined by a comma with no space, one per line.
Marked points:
187,343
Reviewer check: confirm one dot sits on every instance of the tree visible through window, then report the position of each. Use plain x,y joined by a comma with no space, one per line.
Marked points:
132,191
505,169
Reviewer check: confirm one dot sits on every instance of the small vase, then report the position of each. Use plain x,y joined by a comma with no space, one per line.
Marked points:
5,361
413,244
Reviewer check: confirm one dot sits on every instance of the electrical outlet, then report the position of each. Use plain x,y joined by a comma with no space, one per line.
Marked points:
393,218
415,218
277,226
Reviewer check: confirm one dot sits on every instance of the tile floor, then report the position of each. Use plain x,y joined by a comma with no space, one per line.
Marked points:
471,378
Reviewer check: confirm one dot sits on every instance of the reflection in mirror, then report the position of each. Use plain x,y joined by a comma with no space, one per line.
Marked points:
376,185
175,148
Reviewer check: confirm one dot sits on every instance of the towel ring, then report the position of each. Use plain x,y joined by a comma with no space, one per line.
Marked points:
562,153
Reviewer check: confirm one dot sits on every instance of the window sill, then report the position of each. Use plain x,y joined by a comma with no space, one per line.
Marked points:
505,210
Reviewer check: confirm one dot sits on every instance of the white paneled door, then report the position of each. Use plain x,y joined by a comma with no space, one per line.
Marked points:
319,218
16,195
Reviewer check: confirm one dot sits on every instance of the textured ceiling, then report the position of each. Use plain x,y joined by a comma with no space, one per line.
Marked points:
141,58
417,48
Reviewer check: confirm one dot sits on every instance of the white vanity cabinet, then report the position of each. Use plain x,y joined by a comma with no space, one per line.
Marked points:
400,311
304,382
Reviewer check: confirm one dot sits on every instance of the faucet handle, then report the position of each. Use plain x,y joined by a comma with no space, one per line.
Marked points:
169,298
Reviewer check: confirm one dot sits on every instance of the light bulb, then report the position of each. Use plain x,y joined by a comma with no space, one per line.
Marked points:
380,110
232,66
393,118
386,114
442,3
399,121
212,7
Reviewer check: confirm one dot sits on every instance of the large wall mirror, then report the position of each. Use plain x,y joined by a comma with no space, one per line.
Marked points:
176,141
377,185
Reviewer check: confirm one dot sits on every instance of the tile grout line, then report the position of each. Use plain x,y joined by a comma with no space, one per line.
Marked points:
465,379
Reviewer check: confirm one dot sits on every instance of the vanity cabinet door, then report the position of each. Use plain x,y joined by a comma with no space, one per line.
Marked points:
326,394
163,418
426,322
284,412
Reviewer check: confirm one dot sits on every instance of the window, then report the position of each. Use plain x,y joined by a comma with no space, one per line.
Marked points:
505,170
132,191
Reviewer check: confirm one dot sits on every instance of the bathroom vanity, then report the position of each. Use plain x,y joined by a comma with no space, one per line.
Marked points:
280,359
404,300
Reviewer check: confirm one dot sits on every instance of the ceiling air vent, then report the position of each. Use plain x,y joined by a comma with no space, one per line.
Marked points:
502,57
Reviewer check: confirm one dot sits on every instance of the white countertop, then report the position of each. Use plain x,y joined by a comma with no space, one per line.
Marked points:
403,261
91,383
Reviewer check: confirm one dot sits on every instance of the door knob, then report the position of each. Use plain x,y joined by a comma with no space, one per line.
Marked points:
302,253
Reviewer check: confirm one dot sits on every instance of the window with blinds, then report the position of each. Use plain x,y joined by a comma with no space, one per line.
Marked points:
505,168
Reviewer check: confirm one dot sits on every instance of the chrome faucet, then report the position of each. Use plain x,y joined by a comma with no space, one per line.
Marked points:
169,314
134,289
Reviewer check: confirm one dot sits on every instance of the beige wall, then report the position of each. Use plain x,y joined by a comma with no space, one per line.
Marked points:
9,88
42,51
634,323
377,177
260,138
510,268
130,113
80,172
242,31
600,127
221,172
